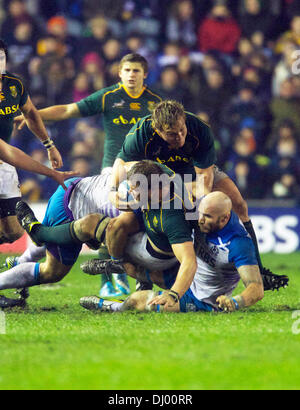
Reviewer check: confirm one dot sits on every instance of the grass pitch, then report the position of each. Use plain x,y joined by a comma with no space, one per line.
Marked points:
55,344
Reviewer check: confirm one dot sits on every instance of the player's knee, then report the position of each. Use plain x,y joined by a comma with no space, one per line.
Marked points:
115,229
85,228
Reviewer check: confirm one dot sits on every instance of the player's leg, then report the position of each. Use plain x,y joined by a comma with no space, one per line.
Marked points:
10,194
32,254
10,229
118,231
32,274
117,234
138,301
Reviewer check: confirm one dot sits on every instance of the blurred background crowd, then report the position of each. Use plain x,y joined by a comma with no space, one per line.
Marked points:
232,63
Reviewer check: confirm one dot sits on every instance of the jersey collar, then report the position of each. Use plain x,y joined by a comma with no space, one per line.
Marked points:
130,95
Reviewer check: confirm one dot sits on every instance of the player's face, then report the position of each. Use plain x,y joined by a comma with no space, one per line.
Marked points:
208,222
176,135
132,76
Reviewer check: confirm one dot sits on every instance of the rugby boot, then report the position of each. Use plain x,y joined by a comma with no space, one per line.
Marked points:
27,220
101,266
10,302
272,281
95,303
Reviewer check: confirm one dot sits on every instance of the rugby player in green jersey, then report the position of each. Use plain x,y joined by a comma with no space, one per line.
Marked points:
185,144
14,97
122,106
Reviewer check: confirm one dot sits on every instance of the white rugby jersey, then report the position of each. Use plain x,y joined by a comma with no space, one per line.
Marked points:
218,259
90,196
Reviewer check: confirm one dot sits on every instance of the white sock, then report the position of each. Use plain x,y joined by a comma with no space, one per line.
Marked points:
20,276
116,306
32,254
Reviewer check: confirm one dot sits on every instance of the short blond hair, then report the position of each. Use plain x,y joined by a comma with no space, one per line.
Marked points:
166,114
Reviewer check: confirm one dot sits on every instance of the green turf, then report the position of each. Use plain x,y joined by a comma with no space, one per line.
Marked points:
55,344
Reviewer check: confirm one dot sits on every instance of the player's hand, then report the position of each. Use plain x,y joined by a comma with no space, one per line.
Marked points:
225,303
19,122
61,176
55,158
119,203
166,300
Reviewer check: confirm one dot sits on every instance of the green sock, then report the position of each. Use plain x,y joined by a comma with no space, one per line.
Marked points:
103,254
60,234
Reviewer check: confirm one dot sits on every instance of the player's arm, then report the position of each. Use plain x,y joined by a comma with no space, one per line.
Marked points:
53,113
19,159
36,125
203,182
185,254
254,291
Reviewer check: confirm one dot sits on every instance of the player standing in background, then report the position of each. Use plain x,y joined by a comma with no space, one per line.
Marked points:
122,105
14,97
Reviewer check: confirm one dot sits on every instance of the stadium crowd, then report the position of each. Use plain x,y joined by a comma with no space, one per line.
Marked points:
233,63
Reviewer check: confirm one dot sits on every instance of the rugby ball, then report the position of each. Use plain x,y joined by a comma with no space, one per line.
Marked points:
124,193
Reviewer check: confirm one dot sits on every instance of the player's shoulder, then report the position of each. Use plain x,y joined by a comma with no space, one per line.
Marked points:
14,79
194,120
152,94
232,233
112,89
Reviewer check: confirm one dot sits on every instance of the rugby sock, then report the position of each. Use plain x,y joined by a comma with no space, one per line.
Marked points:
32,254
117,307
21,276
249,228
103,254
60,235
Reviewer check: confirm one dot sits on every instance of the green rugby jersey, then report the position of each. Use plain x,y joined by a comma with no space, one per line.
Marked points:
143,142
167,225
120,112
12,97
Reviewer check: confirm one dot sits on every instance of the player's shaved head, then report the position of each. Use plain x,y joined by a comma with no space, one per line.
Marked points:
217,203
214,211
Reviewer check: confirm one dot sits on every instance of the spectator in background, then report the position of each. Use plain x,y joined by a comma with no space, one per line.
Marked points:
286,106
219,31
81,87
243,109
94,38
255,18
286,129
242,167
191,77
112,50
283,69
169,86
214,93
286,168
292,34
170,55
22,48
180,24
93,66
17,13
57,26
